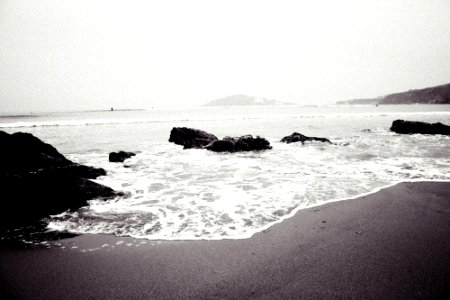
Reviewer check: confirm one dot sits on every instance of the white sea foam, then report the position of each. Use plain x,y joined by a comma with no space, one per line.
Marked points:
196,194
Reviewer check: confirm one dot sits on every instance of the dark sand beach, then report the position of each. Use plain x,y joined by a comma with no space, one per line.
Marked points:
393,244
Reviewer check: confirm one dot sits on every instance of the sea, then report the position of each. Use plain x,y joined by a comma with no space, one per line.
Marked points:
195,194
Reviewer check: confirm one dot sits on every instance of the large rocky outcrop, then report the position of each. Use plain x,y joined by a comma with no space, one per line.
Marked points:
409,127
36,181
298,137
22,152
191,138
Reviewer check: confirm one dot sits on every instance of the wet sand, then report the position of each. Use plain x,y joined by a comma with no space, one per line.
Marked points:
391,244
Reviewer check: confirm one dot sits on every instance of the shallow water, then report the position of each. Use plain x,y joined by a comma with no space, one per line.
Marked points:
197,194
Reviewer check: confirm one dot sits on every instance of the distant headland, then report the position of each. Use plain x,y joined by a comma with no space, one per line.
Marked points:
244,100
431,95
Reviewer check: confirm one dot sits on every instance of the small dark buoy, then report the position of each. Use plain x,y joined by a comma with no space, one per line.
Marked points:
112,109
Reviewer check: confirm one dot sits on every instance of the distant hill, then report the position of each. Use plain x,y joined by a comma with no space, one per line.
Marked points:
244,100
432,95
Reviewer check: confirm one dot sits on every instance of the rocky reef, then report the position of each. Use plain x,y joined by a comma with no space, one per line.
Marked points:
194,138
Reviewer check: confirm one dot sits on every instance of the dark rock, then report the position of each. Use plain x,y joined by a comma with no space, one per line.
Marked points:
249,143
191,138
120,156
30,197
36,181
221,146
23,152
243,143
409,127
194,138
298,137
82,171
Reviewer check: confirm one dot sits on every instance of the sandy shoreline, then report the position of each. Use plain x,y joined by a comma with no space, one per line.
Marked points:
391,244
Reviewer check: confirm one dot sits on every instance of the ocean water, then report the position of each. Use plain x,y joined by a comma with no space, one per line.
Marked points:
176,194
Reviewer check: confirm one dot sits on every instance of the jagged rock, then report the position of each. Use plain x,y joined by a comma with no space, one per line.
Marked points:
409,127
298,137
36,181
191,138
120,156
243,143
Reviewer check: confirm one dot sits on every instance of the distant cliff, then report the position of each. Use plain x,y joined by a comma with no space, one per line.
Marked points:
432,95
244,100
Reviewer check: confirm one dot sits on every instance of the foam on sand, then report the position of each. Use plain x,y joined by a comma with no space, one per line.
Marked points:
388,245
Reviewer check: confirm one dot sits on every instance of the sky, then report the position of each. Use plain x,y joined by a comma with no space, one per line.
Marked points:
64,55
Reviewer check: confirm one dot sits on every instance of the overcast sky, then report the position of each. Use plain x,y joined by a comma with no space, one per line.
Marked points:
78,55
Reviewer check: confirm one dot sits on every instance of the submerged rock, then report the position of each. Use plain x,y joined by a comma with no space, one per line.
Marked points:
410,127
37,181
191,138
243,143
120,156
298,137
